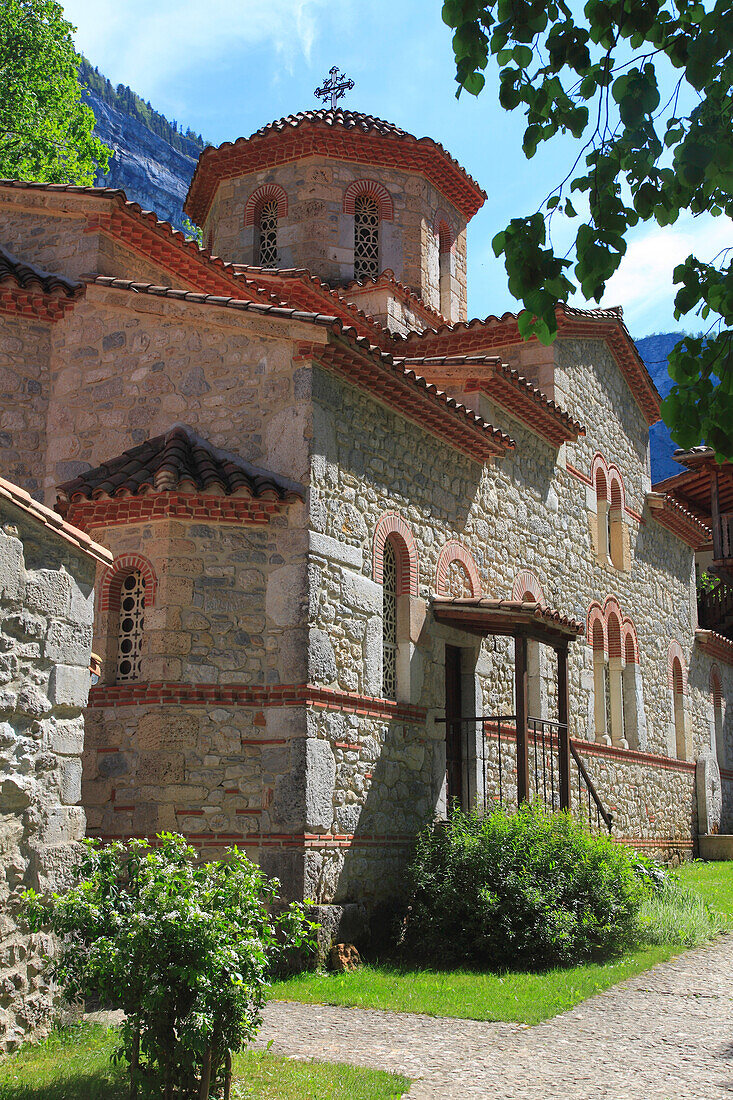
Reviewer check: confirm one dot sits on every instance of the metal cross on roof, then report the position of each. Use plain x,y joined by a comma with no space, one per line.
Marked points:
336,86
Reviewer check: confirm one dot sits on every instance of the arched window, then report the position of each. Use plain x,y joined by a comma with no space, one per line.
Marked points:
445,245
717,731
389,622
614,684
366,238
600,708
633,699
267,236
678,708
615,524
130,627
604,518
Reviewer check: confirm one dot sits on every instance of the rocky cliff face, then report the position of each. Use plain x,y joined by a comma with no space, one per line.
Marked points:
144,165
654,350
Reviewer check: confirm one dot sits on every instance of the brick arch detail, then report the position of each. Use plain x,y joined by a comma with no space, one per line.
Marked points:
121,567
599,475
629,641
258,198
376,191
616,488
716,686
613,633
443,230
524,582
391,525
456,551
596,623
675,652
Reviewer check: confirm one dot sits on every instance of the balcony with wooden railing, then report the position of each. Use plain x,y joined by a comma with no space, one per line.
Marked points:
715,609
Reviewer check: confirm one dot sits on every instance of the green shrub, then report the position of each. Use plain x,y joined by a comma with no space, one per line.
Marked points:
529,889
185,948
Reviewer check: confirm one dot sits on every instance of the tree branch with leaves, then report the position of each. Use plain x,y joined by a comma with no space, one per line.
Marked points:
46,130
596,75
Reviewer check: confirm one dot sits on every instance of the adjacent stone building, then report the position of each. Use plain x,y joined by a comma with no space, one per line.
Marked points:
47,572
360,542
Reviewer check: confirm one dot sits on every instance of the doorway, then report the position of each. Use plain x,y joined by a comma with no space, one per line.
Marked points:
453,727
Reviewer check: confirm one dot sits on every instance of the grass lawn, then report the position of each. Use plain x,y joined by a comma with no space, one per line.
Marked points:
714,881
519,996
74,1064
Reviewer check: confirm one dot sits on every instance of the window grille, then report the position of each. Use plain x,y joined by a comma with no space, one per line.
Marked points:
366,238
389,623
268,234
130,630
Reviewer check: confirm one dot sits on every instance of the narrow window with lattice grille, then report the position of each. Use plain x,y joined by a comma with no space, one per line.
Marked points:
366,238
267,253
130,629
389,623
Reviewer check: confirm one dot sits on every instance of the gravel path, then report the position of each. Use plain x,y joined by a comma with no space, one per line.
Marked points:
664,1035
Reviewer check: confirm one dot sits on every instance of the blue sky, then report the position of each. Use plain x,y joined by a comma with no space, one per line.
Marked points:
226,67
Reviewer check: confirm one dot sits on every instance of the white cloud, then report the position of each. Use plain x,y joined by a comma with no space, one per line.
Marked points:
643,283
146,44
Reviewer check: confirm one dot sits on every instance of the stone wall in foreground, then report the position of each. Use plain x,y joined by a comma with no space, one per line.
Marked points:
46,613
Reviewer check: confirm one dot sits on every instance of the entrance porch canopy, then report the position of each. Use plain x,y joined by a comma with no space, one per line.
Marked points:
522,620
510,618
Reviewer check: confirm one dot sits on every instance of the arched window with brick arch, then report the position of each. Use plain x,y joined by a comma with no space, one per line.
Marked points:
527,588
633,694
369,203
446,239
129,590
264,209
717,725
603,532
457,573
613,681
596,636
615,525
677,685
395,567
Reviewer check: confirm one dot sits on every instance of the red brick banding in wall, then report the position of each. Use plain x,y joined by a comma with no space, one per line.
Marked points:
162,693
113,511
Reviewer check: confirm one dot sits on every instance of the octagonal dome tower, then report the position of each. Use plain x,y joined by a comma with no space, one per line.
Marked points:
345,195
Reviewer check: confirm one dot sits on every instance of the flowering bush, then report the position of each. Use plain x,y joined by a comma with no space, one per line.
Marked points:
184,948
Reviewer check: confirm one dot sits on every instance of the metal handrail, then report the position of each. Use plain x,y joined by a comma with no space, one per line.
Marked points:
592,792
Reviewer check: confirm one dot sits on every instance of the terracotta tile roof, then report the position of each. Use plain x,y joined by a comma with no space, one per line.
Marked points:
389,279
715,645
177,461
672,514
492,331
25,276
18,497
271,308
490,616
520,397
349,120
492,438
345,135
145,233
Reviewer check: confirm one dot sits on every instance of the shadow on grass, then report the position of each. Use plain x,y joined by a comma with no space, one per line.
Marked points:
81,1086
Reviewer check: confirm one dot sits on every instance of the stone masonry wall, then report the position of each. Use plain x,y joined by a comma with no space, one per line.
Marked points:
25,354
46,611
49,229
317,234
225,628
145,363
526,511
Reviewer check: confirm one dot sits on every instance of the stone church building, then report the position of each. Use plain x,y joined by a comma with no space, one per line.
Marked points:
370,557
